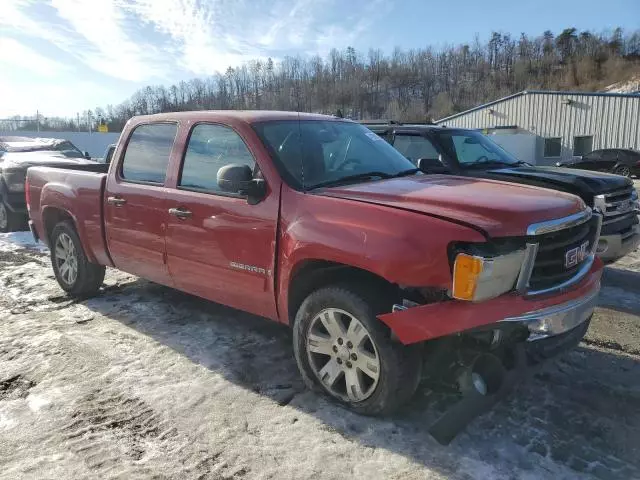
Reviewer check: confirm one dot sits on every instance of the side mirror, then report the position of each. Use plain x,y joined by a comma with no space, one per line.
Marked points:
432,165
86,155
234,178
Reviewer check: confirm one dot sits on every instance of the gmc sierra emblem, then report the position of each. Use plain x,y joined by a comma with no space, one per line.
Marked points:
575,255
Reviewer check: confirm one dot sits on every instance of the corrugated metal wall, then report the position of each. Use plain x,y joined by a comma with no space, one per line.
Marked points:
613,121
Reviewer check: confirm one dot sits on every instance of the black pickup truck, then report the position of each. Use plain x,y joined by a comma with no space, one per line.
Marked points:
436,149
17,154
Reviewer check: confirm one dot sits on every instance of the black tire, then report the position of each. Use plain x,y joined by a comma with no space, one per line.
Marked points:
9,221
400,365
89,276
622,170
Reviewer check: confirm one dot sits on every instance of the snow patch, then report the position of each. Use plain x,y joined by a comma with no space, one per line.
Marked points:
36,402
6,422
10,242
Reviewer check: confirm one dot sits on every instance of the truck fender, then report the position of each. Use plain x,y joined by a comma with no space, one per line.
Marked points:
61,197
394,254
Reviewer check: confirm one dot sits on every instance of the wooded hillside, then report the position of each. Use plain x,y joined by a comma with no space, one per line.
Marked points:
409,85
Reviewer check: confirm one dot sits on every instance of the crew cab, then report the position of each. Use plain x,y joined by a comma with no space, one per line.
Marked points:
315,222
469,153
17,154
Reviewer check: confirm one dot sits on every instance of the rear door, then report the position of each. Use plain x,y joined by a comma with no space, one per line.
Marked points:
218,245
135,207
608,161
590,161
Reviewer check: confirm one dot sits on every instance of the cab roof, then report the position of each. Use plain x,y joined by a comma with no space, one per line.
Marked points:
247,116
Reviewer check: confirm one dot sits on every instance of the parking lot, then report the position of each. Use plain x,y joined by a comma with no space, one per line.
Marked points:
147,382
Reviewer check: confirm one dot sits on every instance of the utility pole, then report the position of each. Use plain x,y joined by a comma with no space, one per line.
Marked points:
38,121
78,120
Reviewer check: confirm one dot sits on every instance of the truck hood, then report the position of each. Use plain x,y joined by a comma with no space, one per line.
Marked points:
584,183
499,209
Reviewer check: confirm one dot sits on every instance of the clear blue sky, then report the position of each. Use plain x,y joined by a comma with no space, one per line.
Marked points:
64,56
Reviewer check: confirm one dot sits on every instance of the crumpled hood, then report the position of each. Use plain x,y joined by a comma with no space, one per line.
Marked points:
43,158
581,182
498,208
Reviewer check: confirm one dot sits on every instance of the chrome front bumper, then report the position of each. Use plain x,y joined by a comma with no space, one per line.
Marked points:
613,247
558,319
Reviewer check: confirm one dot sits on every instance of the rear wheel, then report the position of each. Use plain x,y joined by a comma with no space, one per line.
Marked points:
623,170
344,351
74,273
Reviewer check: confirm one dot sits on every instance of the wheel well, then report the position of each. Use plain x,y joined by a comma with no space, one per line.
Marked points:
315,274
53,216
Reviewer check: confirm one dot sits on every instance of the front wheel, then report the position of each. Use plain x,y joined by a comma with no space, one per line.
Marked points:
74,273
344,351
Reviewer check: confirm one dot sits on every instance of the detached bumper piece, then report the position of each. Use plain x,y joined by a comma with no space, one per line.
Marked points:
490,381
474,404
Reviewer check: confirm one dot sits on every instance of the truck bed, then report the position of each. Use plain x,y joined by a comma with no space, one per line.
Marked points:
75,193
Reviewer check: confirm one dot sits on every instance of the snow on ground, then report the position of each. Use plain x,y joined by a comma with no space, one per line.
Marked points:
146,382
10,242
629,86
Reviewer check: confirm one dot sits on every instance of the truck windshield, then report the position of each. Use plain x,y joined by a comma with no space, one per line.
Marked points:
314,153
474,150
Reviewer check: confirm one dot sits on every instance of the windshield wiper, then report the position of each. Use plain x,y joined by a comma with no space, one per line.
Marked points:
364,176
485,163
351,178
405,173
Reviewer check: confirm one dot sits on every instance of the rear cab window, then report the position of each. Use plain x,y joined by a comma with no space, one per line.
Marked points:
147,154
210,148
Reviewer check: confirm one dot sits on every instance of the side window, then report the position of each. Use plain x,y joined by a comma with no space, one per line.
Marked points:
414,147
210,148
610,155
147,154
552,147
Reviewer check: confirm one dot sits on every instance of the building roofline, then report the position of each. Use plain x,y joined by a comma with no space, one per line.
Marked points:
539,92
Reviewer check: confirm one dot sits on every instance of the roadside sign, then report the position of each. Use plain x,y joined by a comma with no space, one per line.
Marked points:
102,128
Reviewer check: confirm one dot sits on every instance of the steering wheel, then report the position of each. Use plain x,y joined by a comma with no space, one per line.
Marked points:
344,163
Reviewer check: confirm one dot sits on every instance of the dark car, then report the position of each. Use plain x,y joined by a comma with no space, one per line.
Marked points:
621,161
469,153
17,154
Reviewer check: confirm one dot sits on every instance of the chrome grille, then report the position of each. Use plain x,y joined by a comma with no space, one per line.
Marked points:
617,203
550,267
559,252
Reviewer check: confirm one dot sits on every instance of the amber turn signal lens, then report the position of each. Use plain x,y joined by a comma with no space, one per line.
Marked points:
466,271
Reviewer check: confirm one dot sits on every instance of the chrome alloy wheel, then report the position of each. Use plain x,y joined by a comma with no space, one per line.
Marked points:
342,355
624,171
66,259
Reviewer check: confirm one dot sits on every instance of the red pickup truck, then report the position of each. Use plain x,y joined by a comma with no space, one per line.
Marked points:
316,222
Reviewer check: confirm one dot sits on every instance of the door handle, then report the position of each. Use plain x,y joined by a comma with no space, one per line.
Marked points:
116,201
181,213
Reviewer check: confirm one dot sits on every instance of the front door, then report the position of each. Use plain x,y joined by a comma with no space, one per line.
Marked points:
135,207
218,246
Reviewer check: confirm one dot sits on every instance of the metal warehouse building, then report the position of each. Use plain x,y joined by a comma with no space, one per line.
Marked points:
544,127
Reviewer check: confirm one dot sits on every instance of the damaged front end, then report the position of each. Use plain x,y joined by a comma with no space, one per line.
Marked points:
483,344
